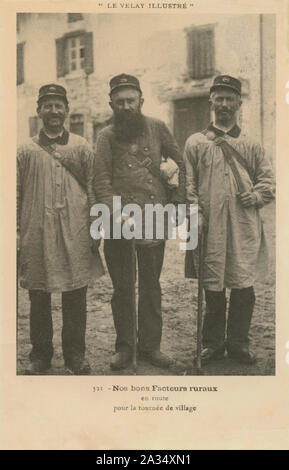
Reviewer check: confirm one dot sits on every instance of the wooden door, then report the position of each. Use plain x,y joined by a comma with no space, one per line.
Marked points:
190,115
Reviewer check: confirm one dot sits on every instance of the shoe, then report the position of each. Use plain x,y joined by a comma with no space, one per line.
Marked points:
78,366
210,354
157,358
120,360
242,354
38,367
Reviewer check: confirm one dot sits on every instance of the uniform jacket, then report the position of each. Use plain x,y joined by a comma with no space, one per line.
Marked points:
119,172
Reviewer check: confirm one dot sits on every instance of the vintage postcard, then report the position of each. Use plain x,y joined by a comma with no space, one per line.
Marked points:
144,241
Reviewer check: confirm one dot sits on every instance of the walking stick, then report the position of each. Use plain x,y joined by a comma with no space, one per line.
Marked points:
200,304
133,305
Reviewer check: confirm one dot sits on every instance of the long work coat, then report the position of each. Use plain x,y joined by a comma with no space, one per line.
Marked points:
235,248
53,216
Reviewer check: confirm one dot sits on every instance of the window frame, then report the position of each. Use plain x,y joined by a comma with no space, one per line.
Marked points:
202,65
20,69
63,65
74,17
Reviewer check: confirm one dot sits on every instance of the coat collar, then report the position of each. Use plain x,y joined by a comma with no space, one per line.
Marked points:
234,132
61,139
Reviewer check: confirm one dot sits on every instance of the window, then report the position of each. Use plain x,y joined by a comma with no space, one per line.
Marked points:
97,126
77,124
71,17
201,51
20,63
74,51
35,125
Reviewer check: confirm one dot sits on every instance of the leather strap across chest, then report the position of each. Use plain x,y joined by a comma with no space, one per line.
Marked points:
59,158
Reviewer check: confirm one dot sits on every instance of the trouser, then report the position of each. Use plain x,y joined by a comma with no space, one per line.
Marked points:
73,327
150,262
239,318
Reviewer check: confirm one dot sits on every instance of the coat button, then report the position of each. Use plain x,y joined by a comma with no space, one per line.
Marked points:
150,181
129,165
146,149
152,196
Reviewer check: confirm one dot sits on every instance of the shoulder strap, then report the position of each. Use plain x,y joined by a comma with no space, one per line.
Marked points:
240,159
57,156
231,155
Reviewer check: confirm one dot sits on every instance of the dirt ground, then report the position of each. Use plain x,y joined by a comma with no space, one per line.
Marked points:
179,306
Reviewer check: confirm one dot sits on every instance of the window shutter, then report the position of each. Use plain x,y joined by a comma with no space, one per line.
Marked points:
33,126
71,17
201,52
88,58
60,57
77,124
20,63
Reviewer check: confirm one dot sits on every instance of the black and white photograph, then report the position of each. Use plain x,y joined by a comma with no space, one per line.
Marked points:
148,110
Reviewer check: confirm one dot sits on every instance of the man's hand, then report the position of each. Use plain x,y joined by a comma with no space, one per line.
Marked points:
94,245
202,225
247,199
125,218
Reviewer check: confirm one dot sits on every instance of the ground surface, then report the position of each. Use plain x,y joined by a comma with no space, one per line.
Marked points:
179,320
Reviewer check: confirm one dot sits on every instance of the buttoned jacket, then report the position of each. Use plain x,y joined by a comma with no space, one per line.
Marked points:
119,171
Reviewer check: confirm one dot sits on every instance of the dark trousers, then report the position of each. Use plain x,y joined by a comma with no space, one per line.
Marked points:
150,262
73,327
239,318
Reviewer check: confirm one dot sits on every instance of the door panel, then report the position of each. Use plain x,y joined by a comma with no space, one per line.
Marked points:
190,115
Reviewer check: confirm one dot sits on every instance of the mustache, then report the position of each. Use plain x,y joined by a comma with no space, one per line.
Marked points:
53,115
222,110
127,115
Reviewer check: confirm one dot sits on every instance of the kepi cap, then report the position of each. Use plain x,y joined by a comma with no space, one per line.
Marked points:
124,80
52,90
225,81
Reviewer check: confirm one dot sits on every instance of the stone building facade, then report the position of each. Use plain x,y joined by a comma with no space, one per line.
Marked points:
175,56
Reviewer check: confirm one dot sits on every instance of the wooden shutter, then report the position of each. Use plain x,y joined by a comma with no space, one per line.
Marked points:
201,52
20,63
88,57
33,125
71,17
77,124
61,62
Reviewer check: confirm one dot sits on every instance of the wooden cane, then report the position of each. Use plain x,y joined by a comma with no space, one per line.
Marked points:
133,305
200,304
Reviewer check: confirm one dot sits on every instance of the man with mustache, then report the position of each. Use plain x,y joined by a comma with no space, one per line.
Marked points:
229,177
54,195
126,151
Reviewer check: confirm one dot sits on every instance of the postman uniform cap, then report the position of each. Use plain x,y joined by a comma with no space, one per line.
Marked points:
124,80
225,81
52,90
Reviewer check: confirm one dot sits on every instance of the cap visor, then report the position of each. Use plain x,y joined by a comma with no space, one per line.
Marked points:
122,85
221,85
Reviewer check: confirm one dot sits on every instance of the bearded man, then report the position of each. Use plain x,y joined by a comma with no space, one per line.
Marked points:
230,179
54,196
127,150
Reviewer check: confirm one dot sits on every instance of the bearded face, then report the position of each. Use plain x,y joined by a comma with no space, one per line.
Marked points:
128,120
